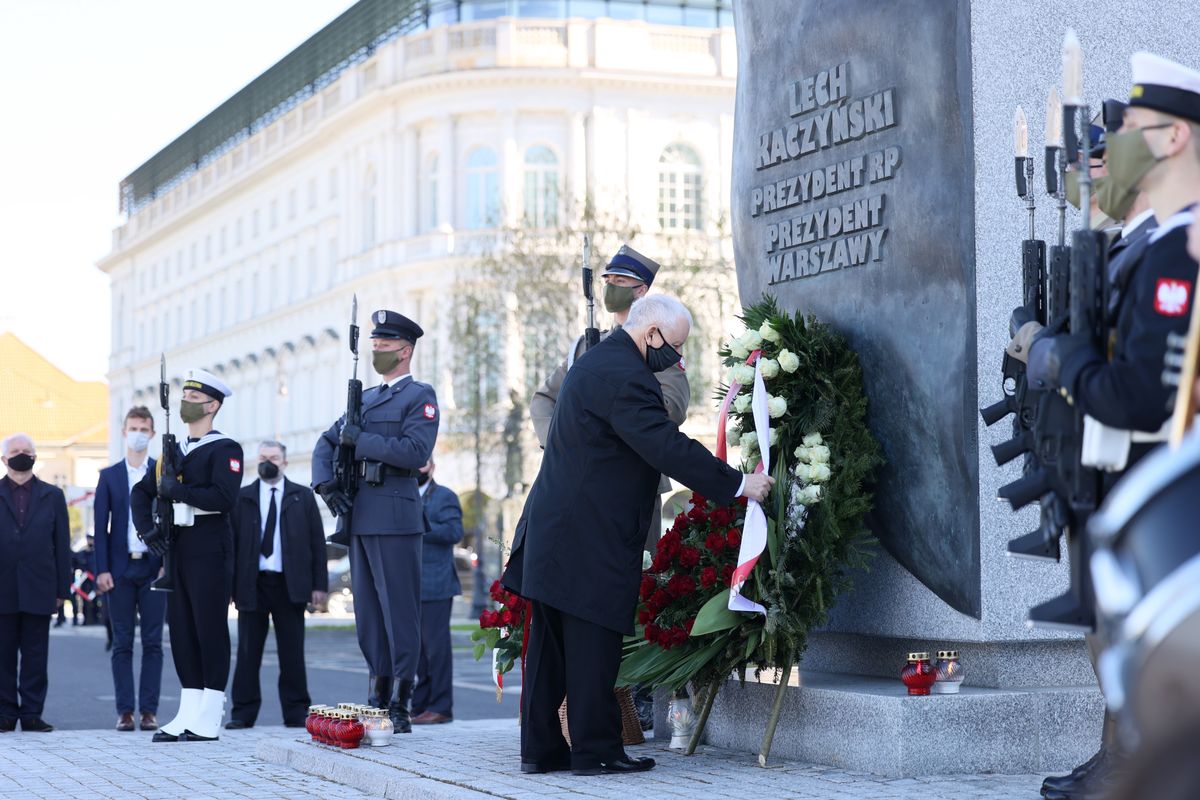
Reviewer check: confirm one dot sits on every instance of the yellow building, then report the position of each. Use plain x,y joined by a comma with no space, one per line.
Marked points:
67,420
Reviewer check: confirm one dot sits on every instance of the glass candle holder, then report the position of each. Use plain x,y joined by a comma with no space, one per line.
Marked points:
352,735
309,720
383,734
949,672
918,674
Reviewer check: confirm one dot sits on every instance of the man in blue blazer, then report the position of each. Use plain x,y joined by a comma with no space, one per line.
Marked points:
433,697
35,579
125,568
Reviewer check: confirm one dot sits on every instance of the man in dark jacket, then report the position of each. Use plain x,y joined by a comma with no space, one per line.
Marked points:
578,551
433,697
279,567
35,579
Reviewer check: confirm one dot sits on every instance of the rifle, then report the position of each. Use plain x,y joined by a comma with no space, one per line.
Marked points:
164,510
345,471
591,334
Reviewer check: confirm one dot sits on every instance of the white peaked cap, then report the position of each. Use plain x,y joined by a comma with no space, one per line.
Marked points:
204,381
1164,85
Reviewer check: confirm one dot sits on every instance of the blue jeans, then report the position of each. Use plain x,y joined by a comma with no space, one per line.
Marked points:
131,596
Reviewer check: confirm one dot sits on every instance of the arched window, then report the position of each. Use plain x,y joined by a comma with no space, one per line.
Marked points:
541,187
483,188
369,210
680,189
429,194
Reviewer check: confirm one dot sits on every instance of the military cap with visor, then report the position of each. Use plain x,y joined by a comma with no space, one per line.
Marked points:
393,325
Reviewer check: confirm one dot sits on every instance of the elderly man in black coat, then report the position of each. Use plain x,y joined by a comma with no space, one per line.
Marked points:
578,551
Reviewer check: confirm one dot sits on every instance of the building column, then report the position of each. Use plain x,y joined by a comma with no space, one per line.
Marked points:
512,206
448,190
410,181
575,170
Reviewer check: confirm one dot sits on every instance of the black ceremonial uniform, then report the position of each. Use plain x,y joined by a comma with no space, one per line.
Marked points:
578,551
201,556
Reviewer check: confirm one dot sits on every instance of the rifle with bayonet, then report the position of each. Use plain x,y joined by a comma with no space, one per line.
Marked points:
163,509
345,466
591,334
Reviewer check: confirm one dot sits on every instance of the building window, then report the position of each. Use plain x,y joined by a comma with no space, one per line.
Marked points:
254,224
311,286
333,259
483,188
429,194
369,209
680,189
312,193
291,203
541,187
333,183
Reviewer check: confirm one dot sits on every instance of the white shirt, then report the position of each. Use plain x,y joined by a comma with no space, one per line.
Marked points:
1136,222
135,474
394,381
275,562
422,488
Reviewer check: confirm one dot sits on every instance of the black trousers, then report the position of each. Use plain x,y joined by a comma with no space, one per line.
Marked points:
272,606
572,658
23,689
197,611
435,666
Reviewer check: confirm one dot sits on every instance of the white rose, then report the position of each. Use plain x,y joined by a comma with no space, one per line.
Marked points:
810,495
731,375
803,473
743,374
749,440
788,361
776,407
737,349
820,473
768,333
742,403
752,340
769,367
732,438
813,439
801,454
819,454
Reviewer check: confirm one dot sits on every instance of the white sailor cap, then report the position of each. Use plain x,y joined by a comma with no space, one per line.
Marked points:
204,381
1163,85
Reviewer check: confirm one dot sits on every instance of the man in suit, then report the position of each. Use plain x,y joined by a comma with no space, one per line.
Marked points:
578,551
433,697
125,569
279,568
385,523
35,579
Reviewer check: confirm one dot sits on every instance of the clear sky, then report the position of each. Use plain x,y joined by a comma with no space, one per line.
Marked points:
89,90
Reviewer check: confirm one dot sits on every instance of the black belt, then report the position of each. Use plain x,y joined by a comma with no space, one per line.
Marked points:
386,470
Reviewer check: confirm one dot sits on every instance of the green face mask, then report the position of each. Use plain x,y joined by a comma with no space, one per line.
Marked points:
190,411
1071,185
1114,200
384,361
618,298
1130,158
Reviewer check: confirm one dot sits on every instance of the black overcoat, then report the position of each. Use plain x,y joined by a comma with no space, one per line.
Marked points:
579,543
35,559
301,535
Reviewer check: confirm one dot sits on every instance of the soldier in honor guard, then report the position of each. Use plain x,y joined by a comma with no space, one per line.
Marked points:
201,480
1153,164
398,431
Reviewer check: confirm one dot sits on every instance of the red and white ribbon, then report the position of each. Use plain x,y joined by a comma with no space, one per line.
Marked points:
754,530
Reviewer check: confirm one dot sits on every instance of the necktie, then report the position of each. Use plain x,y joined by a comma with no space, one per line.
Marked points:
268,537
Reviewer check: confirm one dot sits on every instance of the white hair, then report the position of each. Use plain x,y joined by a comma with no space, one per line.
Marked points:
17,437
657,309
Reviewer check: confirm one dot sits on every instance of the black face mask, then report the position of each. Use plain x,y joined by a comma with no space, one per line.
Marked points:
21,462
268,470
422,478
662,357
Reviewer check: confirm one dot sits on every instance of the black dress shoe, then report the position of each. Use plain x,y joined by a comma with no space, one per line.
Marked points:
237,725
620,766
36,725
163,736
560,764
188,736
8,725
1062,783
299,724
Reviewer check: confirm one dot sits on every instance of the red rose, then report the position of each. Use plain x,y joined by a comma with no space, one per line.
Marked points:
733,537
699,499
742,501
708,576
652,632
678,636
487,619
688,557
715,542
681,585
648,587
721,517
661,563
507,617
645,616
659,600
517,605
727,573
687,626
697,514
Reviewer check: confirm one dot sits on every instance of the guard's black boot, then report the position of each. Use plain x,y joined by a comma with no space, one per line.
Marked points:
1061,783
399,710
379,691
1094,784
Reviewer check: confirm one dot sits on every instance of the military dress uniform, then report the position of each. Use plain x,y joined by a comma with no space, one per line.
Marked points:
399,429
673,381
209,471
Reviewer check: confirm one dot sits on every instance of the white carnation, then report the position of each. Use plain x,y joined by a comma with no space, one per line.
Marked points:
802,454
810,495
768,333
820,473
742,403
803,473
788,361
749,440
813,439
819,454
752,340
743,374
769,367
737,349
776,407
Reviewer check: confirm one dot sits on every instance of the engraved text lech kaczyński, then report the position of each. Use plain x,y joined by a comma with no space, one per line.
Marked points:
813,227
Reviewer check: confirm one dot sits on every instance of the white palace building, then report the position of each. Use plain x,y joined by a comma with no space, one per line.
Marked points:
363,162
